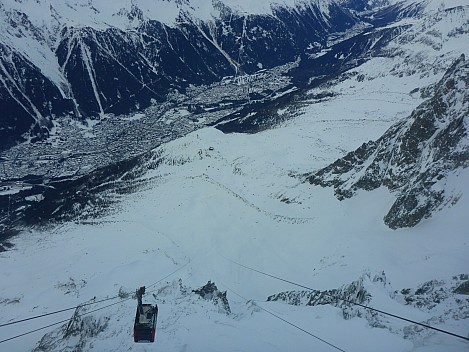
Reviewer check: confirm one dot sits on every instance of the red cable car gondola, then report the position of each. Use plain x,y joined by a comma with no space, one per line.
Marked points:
145,320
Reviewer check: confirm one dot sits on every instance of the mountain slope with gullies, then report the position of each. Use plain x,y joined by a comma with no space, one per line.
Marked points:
90,59
416,159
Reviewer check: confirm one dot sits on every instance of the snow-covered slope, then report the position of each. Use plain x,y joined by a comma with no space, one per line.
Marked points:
211,198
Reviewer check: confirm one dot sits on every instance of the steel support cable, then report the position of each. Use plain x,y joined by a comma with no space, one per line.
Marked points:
57,311
174,272
85,304
61,322
81,305
284,320
35,330
352,302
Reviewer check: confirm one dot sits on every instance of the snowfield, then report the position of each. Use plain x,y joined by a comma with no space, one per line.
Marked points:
216,199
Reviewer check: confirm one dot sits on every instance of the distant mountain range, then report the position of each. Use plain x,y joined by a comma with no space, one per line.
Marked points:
64,63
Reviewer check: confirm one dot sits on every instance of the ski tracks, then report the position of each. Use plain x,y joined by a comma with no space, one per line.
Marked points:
276,217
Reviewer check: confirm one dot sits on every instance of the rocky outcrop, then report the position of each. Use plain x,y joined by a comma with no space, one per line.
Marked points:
414,157
210,292
77,334
443,300
342,297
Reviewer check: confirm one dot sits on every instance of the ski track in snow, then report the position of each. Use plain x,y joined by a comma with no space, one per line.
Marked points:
276,217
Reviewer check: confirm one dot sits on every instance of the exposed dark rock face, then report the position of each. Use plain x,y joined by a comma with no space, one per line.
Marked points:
341,297
364,5
28,99
463,288
394,12
414,157
210,292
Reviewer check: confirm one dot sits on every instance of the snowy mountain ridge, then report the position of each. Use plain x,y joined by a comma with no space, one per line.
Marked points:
428,296
125,14
415,157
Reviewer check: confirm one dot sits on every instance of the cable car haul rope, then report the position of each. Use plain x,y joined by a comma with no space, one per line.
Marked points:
286,321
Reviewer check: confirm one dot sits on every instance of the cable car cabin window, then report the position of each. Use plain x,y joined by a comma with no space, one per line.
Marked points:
145,323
